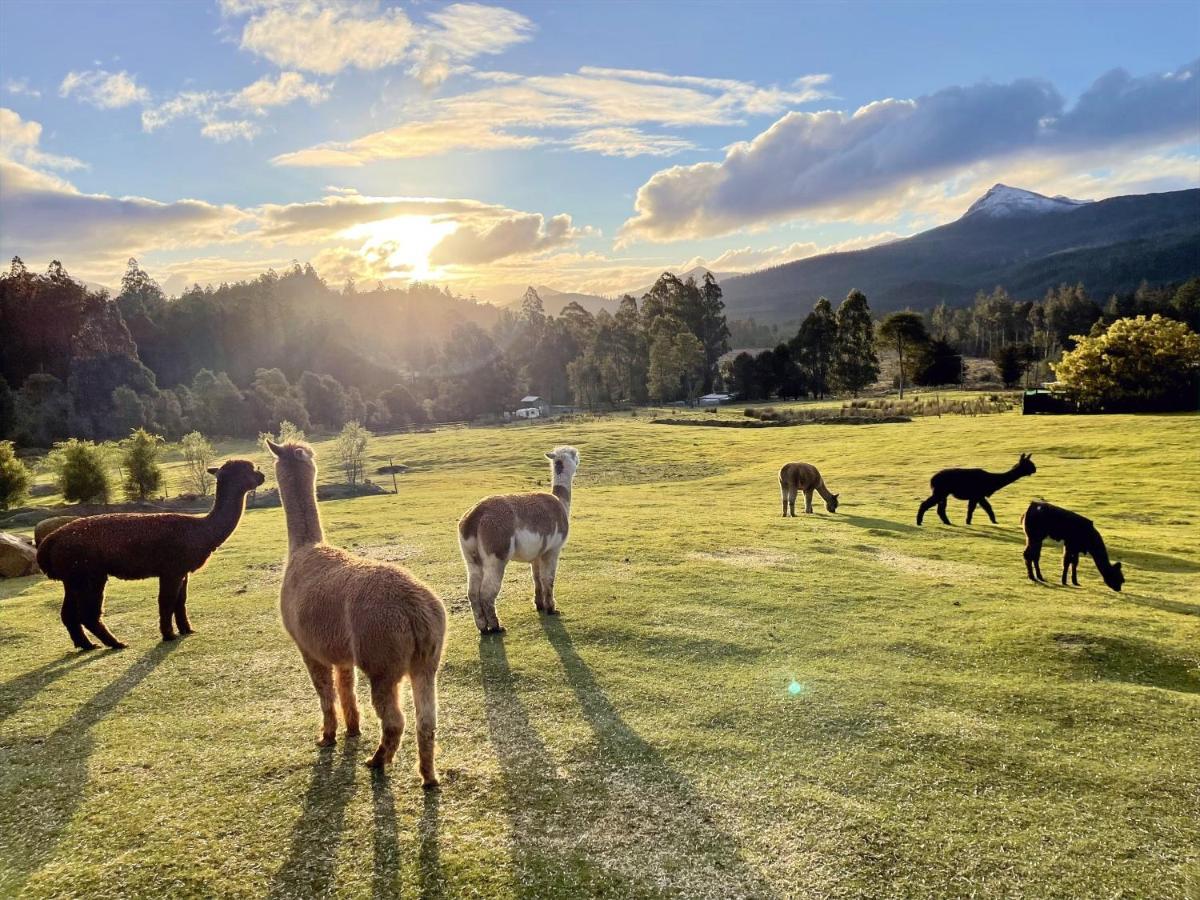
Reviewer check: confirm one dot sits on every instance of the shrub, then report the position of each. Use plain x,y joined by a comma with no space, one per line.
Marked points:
81,471
198,455
350,447
14,476
139,463
1138,363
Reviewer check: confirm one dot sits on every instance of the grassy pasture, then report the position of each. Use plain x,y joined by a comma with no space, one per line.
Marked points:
732,704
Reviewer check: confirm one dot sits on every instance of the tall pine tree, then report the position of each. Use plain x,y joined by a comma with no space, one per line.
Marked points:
855,363
813,347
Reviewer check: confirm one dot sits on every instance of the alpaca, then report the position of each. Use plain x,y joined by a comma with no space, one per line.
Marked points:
972,485
345,611
529,527
168,546
1078,535
795,477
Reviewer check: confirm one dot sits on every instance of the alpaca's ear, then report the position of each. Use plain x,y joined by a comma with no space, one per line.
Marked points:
275,449
214,470
1117,566
549,455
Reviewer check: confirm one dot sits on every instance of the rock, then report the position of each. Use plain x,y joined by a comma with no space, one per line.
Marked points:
43,490
17,557
397,469
46,526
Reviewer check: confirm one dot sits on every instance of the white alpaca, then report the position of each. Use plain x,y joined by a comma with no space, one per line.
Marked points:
529,527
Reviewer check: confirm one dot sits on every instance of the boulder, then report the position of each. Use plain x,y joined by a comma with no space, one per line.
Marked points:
17,557
46,526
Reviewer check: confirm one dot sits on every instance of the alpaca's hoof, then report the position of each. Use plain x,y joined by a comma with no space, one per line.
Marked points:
183,631
378,761
353,732
553,611
118,646
168,637
326,740
431,784
86,647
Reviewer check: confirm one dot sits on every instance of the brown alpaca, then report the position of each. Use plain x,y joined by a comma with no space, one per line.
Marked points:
168,546
345,611
530,527
799,476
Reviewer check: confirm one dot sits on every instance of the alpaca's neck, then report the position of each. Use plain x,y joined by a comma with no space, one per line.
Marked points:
227,511
1006,478
560,487
825,493
303,519
1099,553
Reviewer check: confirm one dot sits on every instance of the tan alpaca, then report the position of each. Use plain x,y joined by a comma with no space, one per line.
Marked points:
799,476
530,527
345,611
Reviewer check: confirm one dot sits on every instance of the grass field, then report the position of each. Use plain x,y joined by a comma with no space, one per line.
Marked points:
732,704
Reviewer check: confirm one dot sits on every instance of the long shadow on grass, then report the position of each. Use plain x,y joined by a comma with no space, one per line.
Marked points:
18,691
49,778
679,839
308,870
1131,661
880,524
385,878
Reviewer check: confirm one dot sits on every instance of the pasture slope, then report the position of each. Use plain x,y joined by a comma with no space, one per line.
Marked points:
731,705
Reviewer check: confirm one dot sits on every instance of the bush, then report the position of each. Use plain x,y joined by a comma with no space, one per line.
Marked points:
80,471
139,462
198,455
1138,363
351,446
14,476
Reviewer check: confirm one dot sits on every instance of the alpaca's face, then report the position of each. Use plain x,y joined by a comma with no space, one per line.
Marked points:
238,474
563,462
1115,578
832,503
1025,464
294,462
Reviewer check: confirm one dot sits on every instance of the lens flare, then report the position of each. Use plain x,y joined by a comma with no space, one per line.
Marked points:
795,688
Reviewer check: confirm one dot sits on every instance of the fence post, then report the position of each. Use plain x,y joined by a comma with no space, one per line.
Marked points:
392,466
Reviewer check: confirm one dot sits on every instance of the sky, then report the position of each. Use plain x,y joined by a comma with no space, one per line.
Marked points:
583,146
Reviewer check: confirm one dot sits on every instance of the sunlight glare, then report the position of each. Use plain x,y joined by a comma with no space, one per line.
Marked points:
400,247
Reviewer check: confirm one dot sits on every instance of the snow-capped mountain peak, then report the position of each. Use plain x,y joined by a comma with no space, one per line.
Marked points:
1002,202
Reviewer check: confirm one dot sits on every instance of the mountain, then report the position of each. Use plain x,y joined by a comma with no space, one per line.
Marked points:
553,301
697,272
1024,241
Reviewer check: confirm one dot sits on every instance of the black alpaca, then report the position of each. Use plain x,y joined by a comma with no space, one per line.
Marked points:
972,485
1078,535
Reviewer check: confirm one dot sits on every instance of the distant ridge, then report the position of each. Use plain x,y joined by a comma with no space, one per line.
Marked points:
1022,240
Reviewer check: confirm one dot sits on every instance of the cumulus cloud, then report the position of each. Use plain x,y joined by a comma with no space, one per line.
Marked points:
19,140
327,36
210,108
20,87
287,88
522,234
342,210
595,110
105,90
829,161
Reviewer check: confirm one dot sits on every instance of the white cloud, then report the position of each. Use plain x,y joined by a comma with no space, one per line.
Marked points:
223,131
828,163
522,234
287,88
19,140
106,90
597,110
208,107
20,87
462,32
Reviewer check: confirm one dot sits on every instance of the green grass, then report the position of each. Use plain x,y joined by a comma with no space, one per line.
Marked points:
956,730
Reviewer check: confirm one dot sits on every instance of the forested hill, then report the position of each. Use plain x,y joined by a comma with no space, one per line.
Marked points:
1023,241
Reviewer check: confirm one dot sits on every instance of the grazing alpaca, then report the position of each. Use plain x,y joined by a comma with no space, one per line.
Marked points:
795,477
345,611
972,485
530,527
1078,535
168,546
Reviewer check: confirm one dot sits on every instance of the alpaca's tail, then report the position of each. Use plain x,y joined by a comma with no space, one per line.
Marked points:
45,557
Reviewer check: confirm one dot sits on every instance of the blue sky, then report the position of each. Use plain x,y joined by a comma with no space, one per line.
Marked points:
580,145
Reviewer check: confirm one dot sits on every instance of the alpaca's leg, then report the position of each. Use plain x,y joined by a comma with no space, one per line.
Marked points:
385,695
489,590
925,506
971,509
168,596
1066,564
91,613
539,595
941,511
424,691
792,501
474,590
987,508
347,700
72,598
322,679
1030,555
549,568
808,500
1075,569
181,617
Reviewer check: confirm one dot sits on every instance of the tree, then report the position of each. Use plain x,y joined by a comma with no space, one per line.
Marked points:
814,346
198,455
714,330
15,477
350,447
139,463
676,361
1011,362
587,380
855,362
324,398
905,331
8,408
1138,363
938,363
81,471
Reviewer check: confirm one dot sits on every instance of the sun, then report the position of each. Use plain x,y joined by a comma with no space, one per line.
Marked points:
400,247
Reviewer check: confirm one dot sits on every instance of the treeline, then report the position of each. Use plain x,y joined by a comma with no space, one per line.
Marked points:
237,360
